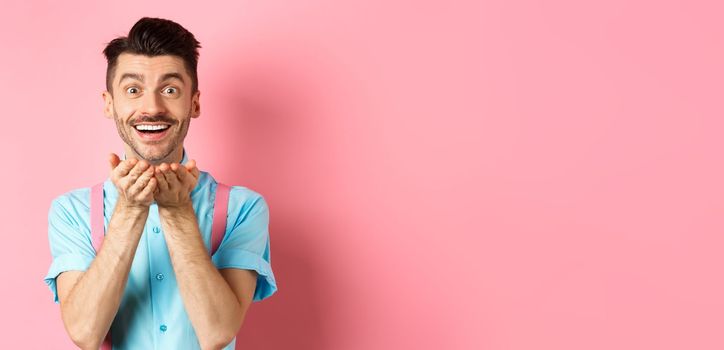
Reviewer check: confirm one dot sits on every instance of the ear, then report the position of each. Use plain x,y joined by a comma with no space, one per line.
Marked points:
195,104
107,104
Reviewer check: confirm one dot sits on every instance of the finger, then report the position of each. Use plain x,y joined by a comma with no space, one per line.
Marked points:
192,168
150,188
161,180
124,167
178,169
114,160
137,170
141,183
186,179
190,164
171,177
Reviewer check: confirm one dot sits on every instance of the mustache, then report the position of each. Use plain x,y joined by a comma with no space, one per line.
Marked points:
154,119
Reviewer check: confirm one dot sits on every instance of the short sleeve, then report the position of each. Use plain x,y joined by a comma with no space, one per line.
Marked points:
70,244
246,244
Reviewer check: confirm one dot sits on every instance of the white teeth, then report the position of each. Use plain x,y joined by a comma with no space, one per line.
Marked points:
151,127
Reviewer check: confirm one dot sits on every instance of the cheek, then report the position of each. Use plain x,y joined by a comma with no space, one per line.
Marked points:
179,109
124,106
125,110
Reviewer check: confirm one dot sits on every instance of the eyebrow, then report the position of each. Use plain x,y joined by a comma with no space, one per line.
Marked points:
139,77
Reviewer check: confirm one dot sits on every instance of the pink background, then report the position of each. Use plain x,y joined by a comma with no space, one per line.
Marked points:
440,175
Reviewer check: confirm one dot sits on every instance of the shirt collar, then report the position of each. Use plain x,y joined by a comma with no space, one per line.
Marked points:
184,158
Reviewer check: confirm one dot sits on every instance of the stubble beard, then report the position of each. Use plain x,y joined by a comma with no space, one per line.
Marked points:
137,147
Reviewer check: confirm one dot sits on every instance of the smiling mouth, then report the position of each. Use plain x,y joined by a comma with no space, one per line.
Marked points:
151,129
152,133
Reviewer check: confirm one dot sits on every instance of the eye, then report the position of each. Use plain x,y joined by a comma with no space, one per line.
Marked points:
171,89
132,90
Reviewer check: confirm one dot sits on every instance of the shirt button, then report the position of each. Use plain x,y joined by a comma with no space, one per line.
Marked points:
159,276
156,229
163,328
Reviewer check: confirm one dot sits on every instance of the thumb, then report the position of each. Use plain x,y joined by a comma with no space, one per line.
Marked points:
113,160
191,166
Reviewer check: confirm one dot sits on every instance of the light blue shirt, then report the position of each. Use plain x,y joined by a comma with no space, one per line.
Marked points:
151,314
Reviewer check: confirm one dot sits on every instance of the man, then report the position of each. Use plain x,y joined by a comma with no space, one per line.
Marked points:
153,284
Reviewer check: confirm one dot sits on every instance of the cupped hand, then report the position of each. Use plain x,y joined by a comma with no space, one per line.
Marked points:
175,183
134,181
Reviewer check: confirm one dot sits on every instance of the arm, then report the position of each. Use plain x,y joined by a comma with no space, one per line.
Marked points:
214,309
89,300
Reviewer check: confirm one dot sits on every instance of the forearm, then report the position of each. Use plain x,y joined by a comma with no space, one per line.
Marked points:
93,301
212,306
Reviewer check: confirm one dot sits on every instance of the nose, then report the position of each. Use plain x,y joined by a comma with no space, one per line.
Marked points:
152,105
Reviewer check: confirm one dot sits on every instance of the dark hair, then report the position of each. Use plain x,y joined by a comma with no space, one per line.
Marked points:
155,37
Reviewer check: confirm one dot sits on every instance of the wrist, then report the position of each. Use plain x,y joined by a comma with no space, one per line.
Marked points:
176,210
176,220
137,209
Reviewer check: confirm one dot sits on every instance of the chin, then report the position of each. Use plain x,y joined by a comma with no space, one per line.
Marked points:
154,154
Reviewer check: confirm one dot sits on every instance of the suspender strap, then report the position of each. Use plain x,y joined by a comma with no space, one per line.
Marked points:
218,226
96,216
97,234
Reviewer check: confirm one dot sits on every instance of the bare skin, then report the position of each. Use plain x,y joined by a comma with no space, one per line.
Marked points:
89,300
215,300
216,312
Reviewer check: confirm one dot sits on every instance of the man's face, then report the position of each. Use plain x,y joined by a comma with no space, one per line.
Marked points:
152,105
